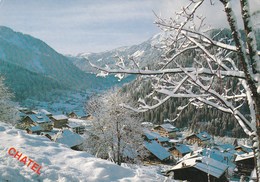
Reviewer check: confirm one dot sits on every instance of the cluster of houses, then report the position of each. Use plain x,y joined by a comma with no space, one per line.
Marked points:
63,128
194,157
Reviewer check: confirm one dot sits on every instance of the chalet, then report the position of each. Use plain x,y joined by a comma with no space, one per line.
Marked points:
37,119
150,135
243,149
44,111
73,114
50,134
199,138
59,121
179,150
156,151
245,163
69,138
166,130
199,169
78,125
34,129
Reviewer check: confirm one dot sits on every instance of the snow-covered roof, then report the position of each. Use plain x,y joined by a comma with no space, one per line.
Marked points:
205,164
80,122
157,150
59,117
69,138
78,113
244,156
168,127
223,147
220,156
154,135
182,148
39,118
203,136
36,128
44,111
245,149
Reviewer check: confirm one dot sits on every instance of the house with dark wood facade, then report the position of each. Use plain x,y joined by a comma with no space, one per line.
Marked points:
59,121
201,138
166,130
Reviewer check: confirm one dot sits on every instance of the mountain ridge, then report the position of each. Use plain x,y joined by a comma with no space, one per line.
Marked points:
32,68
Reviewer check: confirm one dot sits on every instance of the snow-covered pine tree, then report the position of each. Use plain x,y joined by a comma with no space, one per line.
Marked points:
8,110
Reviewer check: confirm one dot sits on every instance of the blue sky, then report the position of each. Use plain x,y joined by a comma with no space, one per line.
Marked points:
75,26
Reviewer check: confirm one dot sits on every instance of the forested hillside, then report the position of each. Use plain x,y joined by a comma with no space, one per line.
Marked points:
209,119
33,70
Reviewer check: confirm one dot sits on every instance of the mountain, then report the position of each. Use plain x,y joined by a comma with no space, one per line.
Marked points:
33,69
146,51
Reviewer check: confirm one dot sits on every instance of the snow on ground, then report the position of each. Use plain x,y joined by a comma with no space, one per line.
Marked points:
58,163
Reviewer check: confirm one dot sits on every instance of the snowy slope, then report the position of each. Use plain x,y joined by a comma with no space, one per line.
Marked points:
58,162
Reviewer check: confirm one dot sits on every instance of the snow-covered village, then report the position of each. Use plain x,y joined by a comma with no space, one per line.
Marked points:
122,91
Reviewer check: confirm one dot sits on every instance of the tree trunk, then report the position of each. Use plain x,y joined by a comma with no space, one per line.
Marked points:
118,144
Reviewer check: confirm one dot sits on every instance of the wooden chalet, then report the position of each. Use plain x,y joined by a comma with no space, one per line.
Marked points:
156,152
151,135
73,114
69,138
37,120
35,129
166,130
199,169
201,138
179,150
245,163
243,149
59,121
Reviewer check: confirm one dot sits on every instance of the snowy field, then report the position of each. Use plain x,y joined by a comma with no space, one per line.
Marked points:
55,162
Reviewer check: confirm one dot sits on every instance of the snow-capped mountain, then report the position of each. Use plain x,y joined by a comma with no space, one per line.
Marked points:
147,54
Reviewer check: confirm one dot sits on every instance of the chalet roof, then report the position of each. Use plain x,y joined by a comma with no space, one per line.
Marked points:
69,138
223,147
245,149
78,113
59,117
154,135
35,128
182,148
203,136
220,156
44,111
81,122
39,118
204,164
168,127
244,156
157,150
52,133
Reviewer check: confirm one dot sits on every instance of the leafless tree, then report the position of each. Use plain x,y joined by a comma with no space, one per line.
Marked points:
116,132
226,60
